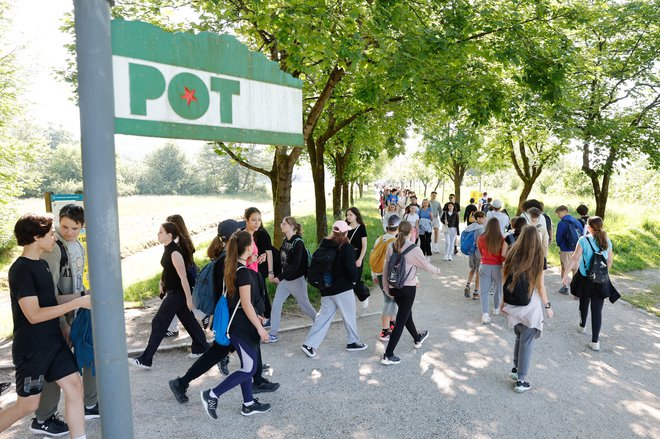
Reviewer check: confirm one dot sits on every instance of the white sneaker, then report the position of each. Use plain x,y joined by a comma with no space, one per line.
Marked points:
445,258
496,312
365,303
451,258
581,329
485,319
594,345
194,356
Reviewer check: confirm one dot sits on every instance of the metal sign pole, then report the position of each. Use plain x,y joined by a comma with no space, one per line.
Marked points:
95,87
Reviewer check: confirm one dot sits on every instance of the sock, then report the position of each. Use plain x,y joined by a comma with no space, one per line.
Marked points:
213,395
248,404
84,436
89,407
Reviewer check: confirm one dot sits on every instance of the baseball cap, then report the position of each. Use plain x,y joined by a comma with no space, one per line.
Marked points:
393,221
497,204
228,227
340,226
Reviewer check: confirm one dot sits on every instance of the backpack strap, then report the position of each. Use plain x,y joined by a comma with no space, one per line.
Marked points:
354,231
64,256
224,293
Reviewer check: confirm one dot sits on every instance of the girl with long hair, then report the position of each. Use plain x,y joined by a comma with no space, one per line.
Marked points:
357,237
405,297
177,299
291,281
391,210
262,260
338,297
185,241
524,265
590,294
425,228
493,250
245,330
450,219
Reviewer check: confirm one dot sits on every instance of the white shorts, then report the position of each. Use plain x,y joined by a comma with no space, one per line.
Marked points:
436,222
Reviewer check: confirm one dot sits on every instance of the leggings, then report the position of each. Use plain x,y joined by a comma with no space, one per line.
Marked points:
596,314
404,298
203,364
247,352
425,243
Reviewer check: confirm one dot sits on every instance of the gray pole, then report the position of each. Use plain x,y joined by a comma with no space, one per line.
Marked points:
94,56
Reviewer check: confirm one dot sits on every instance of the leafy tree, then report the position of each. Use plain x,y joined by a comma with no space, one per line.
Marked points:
168,172
614,88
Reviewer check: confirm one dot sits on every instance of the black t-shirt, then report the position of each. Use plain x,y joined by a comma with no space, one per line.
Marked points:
355,237
28,277
241,326
170,277
263,241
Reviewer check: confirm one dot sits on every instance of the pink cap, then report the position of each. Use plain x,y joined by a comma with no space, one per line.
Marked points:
340,226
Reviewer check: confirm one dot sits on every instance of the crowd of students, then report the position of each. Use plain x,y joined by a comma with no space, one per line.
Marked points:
508,256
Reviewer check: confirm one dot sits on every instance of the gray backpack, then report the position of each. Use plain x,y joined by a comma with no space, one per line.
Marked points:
396,268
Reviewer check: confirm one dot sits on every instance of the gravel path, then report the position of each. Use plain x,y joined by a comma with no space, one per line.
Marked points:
455,386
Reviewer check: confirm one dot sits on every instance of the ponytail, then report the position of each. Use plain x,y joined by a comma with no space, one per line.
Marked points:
297,228
404,230
238,243
596,224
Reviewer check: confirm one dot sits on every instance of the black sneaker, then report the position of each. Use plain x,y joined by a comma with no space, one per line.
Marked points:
52,426
264,386
222,365
392,359
169,334
4,387
210,404
356,347
178,390
309,351
522,386
92,413
392,323
422,336
255,407
205,321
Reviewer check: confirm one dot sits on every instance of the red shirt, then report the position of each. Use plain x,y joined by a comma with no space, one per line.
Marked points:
486,257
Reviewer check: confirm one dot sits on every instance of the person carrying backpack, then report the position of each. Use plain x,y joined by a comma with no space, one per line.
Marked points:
472,233
569,231
291,281
377,263
493,250
591,248
337,291
402,260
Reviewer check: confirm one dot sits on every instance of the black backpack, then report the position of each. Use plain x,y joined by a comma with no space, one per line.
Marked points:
396,268
597,271
517,294
319,274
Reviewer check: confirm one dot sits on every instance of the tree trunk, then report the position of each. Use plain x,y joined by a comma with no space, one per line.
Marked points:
318,176
360,188
336,199
526,190
352,197
425,184
459,174
344,196
601,198
281,182
435,189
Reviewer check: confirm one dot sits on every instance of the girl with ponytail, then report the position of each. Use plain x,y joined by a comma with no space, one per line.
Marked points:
591,295
405,297
245,331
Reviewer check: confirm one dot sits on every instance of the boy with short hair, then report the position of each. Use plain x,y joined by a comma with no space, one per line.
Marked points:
66,263
584,215
569,231
39,351
475,258
388,314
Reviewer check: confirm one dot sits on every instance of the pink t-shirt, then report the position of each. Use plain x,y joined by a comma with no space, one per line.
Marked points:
254,266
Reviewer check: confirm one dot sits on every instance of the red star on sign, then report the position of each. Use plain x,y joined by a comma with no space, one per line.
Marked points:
188,96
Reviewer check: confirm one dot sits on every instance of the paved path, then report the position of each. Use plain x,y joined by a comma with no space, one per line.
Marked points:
456,386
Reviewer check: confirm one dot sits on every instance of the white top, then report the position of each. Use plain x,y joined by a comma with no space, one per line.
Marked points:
530,315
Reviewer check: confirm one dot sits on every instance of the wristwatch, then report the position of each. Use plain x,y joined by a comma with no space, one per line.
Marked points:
548,305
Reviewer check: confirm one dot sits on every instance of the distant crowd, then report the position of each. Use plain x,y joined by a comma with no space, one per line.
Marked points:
507,258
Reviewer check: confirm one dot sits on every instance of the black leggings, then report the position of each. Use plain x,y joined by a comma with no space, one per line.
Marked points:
404,298
211,357
425,243
596,314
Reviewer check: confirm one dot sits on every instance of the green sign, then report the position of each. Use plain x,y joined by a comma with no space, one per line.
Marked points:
205,86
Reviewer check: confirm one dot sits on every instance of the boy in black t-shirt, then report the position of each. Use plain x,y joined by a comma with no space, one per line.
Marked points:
39,351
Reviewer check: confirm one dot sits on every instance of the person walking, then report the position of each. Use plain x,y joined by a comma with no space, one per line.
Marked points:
493,250
468,215
291,281
357,237
245,330
339,296
377,263
523,268
263,250
501,217
450,220
592,295
424,226
177,299
405,297
569,231
392,209
474,260
435,210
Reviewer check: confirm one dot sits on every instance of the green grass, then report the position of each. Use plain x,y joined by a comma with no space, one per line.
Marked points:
646,300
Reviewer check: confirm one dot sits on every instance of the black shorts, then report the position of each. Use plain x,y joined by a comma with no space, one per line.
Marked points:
35,368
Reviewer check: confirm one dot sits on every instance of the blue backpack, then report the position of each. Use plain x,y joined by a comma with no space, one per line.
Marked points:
82,340
203,293
468,243
573,233
222,320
